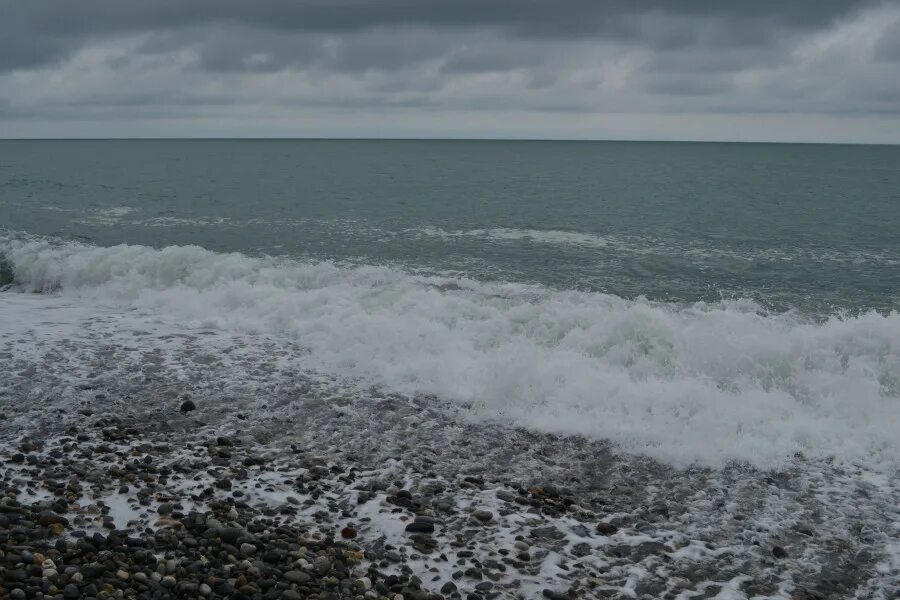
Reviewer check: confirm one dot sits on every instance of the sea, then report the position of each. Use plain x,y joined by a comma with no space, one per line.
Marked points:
696,303
699,340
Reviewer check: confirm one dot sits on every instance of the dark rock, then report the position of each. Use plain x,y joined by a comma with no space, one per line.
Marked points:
230,534
580,550
420,527
322,565
187,406
298,577
606,529
47,518
779,552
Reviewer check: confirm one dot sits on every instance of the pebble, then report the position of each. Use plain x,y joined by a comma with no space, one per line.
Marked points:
248,549
483,515
606,529
298,577
420,527
322,565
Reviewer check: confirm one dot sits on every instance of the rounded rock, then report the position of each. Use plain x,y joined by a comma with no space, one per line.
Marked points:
322,565
298,577
483,515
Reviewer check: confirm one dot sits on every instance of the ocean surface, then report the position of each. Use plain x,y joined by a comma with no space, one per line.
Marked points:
699,303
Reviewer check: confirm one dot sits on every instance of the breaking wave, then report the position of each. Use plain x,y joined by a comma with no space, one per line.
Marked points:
702,383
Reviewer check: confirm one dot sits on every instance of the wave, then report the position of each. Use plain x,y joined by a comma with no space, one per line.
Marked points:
703,383
644,245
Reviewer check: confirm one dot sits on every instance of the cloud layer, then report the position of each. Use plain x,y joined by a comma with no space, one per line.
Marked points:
695,69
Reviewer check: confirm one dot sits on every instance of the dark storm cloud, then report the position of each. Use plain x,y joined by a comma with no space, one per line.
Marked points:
35,32
282,60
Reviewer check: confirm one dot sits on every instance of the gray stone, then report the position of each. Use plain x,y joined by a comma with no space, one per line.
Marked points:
483,515
298,577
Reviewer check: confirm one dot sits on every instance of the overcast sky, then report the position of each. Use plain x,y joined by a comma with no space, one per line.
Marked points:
779,70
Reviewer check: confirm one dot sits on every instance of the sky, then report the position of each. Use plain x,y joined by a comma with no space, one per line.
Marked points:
749,70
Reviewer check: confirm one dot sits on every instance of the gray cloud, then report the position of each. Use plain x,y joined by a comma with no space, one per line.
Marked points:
888,47
284,59
37,31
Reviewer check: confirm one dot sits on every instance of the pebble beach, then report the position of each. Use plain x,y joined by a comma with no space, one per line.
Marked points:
189,501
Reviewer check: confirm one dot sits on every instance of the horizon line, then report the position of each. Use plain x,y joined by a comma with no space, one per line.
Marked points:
433,139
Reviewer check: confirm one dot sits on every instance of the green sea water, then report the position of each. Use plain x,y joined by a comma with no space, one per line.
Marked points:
808,227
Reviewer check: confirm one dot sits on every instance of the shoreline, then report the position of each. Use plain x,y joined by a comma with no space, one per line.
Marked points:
425,507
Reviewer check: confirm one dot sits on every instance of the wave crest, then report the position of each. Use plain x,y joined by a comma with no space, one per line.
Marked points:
699,383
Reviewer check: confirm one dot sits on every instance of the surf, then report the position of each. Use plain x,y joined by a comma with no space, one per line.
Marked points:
685,383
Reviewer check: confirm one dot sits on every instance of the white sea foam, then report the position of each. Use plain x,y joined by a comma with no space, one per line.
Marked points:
643,245
701,383
106,216
503,234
